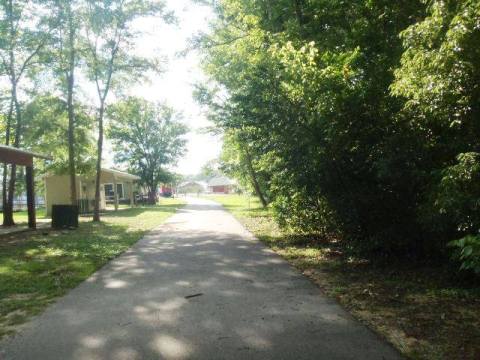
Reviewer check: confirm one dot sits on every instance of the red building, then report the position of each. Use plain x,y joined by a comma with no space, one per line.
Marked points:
166,190
221,185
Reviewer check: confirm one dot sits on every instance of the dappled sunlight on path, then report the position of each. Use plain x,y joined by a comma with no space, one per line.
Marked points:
198,287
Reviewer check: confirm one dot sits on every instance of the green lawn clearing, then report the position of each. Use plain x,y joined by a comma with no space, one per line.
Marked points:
425,311
21,217
37,267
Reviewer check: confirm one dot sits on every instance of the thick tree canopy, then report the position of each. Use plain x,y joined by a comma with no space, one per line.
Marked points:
58,47
47,129
148,138
360,114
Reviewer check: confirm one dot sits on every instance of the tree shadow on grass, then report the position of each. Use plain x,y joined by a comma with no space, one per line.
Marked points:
42,266
136,211
243,302
282,241
406,302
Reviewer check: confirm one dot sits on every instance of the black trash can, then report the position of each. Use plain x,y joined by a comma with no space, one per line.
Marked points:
64,216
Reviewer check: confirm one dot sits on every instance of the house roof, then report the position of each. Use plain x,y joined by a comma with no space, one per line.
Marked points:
221,181
190,183
117,173
121,174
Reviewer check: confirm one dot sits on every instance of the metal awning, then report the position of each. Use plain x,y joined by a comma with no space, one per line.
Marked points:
15,156
11,155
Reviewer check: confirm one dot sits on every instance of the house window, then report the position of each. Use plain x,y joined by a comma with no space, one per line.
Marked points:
109,191
109,195
120,191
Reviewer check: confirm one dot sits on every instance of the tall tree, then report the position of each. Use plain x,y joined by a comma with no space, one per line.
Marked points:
66,59
237,160
439,80
110,55
148,138
310,80
24,33
48,124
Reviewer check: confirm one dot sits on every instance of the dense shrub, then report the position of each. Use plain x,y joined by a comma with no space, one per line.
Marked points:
355,113
455,201
467,251
304,215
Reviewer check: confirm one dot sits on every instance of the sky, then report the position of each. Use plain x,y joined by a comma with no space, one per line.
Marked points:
175,86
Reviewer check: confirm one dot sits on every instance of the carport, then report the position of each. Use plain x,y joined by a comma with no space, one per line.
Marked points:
14,156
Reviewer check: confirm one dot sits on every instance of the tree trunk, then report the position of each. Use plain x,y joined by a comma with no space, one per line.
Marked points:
30,182
8,206
253,177
8,211
4,190
152,195
5,167
268,10
96,210
299,12
70,109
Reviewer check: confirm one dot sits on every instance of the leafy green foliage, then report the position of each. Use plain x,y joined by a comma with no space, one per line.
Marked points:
467,252
24,35
355,112
147,137
110,38
238,160
209,170
24,40
455,200
46,133
45,46
111,58
304,215
438,81
302,84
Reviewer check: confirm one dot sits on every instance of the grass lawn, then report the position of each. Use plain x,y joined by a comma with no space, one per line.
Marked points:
21,217
36,268
426,312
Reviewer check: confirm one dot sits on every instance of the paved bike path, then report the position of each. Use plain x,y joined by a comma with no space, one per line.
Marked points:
198,287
